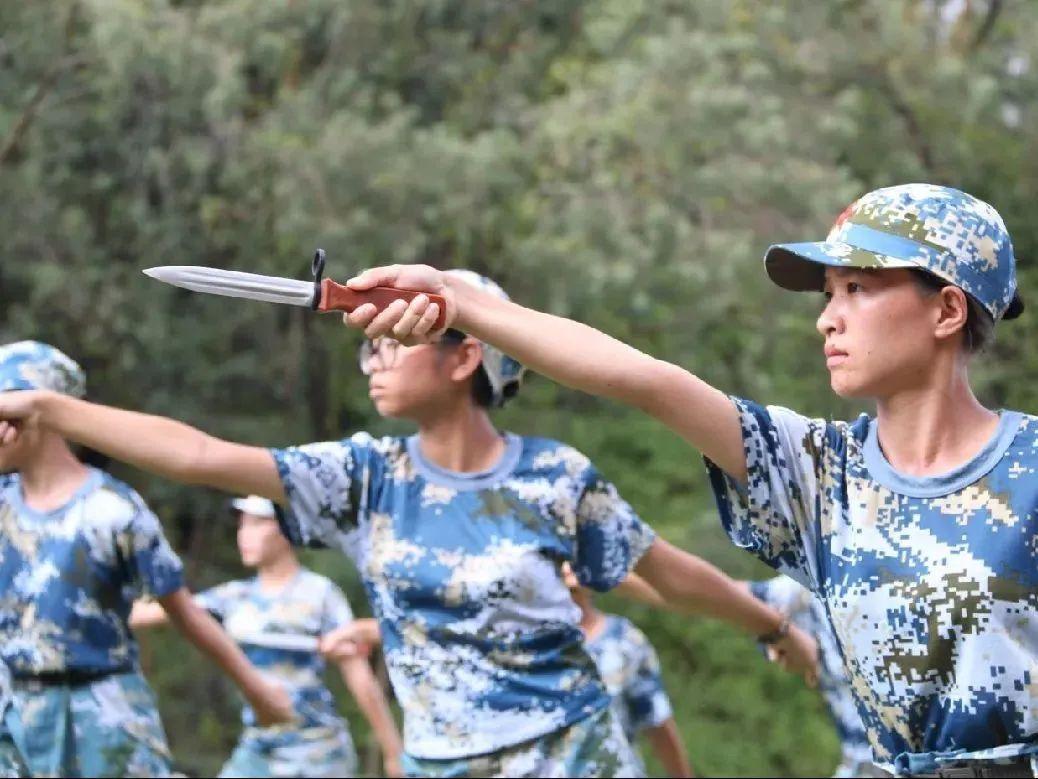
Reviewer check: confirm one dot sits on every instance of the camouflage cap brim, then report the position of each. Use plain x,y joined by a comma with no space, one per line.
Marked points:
800,267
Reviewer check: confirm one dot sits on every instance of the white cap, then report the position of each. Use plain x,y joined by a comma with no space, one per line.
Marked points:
255,505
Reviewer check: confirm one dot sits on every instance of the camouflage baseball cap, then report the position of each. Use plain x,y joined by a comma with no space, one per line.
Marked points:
954,236
31,365
504,373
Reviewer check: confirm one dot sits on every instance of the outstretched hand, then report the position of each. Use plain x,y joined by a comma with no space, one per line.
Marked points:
408,323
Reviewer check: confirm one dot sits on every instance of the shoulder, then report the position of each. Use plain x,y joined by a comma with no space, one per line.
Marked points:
116,503
551,457
317,584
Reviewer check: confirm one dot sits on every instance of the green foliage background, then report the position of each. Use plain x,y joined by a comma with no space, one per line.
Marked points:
624,162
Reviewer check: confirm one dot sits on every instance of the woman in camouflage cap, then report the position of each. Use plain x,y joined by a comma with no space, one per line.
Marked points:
75,546
916,527
459,532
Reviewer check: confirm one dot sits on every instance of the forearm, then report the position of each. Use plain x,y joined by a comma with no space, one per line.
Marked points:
587,359
372,702
670,751
162,446
199,627
692,585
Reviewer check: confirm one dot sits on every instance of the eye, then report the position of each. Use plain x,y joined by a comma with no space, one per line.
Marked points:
852,287
827,295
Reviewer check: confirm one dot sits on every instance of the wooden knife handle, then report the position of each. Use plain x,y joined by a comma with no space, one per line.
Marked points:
336,297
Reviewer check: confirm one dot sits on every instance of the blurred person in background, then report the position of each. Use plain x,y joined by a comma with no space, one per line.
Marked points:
278,618
76,546
459,533
916,527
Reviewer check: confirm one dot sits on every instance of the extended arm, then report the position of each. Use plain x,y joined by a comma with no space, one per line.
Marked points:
569,352
162,446
270,702
690,584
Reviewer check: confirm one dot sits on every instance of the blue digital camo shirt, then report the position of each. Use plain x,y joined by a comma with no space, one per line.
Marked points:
931,584
265,625
463,571
808,613
630,670
69,577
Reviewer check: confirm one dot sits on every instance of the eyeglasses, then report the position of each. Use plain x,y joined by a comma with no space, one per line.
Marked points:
387,350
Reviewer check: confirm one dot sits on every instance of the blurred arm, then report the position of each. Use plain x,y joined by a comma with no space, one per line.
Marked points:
271,703
367,692
689,583
637,589
666,743
162,446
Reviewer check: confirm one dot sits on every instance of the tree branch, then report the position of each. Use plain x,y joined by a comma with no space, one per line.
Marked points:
43,88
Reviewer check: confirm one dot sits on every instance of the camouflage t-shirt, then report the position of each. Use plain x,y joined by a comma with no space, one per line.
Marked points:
808,613
279,632
630,670
481,636
68,577
931,584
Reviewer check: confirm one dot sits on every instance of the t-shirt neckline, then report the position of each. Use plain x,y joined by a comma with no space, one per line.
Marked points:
957,478
90,483
476,480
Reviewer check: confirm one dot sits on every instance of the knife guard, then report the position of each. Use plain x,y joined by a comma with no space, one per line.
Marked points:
336,297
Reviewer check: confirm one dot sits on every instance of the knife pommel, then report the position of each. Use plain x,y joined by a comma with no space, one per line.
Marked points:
336,297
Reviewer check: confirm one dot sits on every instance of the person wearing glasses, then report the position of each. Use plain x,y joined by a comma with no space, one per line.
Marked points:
459,532
278,618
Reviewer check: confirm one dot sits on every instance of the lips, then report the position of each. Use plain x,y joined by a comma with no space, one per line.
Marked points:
834,356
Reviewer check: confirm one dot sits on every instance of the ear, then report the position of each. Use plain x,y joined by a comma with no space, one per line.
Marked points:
953,312
469,358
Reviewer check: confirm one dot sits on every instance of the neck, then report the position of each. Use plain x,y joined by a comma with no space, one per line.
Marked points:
934,428
461,439
278,572
52,476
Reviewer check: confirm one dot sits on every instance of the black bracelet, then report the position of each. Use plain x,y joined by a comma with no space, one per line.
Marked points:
777,634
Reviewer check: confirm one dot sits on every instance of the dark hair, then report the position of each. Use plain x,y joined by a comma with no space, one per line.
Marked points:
979,331
482,391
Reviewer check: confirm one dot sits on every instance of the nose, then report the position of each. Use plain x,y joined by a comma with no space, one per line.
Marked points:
830,321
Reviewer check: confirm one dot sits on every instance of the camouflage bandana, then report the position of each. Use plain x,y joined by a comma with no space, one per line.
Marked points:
954,236
31,365
504,373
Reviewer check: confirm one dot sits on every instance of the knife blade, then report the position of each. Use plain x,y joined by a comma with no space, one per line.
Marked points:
325,295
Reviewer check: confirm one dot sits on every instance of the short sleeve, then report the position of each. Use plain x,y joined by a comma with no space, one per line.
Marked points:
776,515
611,538
326,486
644,696
337,611
218,600
153,568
